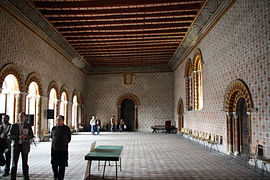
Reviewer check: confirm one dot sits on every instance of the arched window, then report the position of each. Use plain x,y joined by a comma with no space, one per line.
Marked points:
52,105
10,88
31,102
188,78
63,106
74,112
198,85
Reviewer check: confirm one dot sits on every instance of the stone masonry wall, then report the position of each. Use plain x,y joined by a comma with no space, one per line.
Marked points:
154,91
30,53
236,48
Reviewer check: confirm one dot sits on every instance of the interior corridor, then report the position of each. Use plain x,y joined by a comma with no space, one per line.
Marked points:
145,156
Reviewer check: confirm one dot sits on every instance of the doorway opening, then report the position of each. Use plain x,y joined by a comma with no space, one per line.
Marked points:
128,111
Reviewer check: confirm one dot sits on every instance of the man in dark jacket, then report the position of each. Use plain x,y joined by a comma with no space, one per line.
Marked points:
4,129
20,133
61,136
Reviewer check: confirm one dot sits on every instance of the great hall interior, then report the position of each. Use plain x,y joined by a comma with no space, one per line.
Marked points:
197,69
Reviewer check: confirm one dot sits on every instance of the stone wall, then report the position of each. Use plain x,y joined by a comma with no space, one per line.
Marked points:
30,53
236,48
153,90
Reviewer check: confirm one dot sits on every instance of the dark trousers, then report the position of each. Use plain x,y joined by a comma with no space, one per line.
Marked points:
15,158
8,157
58,171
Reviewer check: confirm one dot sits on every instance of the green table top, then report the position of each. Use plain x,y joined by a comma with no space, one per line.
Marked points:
110,153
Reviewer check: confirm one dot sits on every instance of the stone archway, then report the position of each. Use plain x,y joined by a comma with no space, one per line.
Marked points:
33,77
238,106
129,101
180,112
12,69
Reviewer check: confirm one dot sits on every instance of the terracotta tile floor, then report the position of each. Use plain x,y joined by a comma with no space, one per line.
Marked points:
145,156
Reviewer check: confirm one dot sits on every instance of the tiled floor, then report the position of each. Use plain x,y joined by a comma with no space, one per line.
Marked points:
145,156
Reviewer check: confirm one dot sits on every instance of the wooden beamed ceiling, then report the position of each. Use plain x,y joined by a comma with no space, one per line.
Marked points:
115,33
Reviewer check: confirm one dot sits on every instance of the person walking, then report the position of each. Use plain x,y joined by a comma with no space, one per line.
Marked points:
93,124
98,125
20,133
4,129
121,124
61,136
112,123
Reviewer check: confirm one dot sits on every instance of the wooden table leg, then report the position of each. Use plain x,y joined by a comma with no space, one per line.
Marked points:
89,174
104,169
120,164
116,169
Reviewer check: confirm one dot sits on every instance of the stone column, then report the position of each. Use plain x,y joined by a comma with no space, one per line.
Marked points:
229,119
38,108
136,118
77,117
55,110
119,112
17,106
66,112
23,102
236,135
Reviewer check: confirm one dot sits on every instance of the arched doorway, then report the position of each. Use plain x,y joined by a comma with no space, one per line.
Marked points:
238,107
243,124
128,111
180,113
128,114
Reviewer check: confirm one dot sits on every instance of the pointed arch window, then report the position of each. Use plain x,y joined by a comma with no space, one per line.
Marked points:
10,88
198,81
75,112
31,102
188,79
52,105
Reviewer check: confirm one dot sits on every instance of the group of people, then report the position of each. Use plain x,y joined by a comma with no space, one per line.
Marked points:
95,125
121,124
15,139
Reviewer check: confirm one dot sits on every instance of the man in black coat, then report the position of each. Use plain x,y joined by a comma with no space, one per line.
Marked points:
61,136
20,133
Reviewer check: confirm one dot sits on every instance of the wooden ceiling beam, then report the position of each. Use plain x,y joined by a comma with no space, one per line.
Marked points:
87,48
124,41
128,27
138,10
123,36
123,22
107,3
120,46
131,16
130,58
76,34
128,54
95,52
126,47
139,63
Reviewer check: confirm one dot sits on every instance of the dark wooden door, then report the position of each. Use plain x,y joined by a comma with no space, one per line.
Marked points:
128,113
244,126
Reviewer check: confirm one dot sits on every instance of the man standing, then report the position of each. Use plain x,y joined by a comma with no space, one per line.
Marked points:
4,129
98,125
93,124
20,133
61,136
112,123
